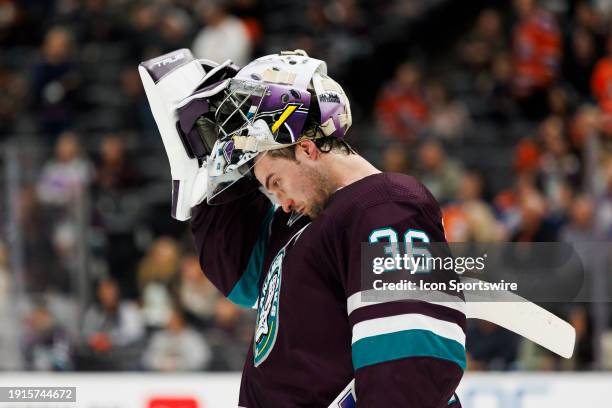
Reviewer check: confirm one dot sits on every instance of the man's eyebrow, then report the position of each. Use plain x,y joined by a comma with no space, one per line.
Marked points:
268,180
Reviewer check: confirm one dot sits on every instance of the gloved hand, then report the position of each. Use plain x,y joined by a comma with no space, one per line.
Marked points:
177,82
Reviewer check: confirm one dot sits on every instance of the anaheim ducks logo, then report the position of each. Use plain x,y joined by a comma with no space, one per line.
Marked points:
267,311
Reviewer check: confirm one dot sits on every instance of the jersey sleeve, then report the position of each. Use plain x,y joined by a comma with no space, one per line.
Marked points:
231,240
405,353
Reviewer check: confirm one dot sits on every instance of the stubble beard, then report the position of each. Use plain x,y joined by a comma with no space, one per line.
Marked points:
322,188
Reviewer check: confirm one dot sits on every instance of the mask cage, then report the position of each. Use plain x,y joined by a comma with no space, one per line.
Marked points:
238,108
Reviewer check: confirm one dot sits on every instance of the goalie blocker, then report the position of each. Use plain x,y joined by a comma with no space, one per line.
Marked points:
170,81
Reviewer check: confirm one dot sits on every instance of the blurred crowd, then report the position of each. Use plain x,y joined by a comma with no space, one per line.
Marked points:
508,123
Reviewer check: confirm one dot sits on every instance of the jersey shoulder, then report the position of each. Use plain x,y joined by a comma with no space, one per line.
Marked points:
381,191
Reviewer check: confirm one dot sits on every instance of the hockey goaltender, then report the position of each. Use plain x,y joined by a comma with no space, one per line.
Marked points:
279,206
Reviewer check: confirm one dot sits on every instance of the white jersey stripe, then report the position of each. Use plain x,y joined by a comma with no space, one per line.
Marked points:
355,301
412,321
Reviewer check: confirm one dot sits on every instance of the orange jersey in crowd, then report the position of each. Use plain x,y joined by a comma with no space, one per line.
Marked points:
537,51
601,84
402,113
456,224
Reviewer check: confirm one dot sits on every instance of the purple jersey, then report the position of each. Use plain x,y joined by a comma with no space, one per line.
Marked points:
313,333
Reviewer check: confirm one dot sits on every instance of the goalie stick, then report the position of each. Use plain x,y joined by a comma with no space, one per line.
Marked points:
520,316
511,312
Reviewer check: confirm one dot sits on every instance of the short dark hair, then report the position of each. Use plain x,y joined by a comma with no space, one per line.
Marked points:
324,144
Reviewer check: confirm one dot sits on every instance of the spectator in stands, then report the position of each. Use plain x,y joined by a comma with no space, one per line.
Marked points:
10,12
10,357
533,225
537,49
449,118
603,222
223,36
490,347
156,303
5,276
61,189
98,21
471,188
479,48
587,16
250,12
561,101
115,170
579,232
401,110
345,34
601,86
579,60
439,173
157,275
196,294
160,264
603,8
526,159
532,357
176,28
177,347
230,335
112,328
55,80
584,126
580,320
395,159
14,98
118,208
581,227
47,345
470,218
145,36
557,164
498,92
41,263
134,108
65,175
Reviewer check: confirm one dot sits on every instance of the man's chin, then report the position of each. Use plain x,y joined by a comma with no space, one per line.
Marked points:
312,213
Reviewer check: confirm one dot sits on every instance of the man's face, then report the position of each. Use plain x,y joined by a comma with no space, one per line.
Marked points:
298,185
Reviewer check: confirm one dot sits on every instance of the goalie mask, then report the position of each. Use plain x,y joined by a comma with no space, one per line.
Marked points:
273,102
217,118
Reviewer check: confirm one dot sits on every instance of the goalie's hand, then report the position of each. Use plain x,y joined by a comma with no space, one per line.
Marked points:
168,80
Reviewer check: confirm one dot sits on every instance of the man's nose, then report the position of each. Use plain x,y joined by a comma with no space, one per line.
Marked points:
287,205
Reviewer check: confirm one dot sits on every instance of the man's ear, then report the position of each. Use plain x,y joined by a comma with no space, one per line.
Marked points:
308,148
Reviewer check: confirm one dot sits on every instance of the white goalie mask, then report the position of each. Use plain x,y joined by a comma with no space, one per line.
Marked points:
217,119
272,103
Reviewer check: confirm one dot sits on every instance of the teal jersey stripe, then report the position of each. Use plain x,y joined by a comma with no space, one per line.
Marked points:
246,290
407,343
